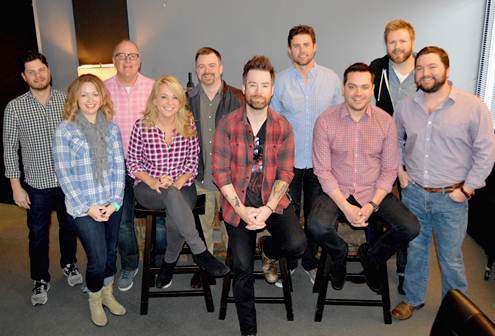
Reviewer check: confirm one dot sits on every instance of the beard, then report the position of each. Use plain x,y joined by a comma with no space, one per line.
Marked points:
399,58
437,84
257,102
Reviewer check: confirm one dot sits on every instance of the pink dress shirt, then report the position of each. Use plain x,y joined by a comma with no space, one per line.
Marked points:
128,107
356,157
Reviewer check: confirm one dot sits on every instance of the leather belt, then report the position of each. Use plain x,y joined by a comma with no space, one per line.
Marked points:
447,189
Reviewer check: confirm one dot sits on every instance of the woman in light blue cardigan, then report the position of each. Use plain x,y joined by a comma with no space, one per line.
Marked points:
89,163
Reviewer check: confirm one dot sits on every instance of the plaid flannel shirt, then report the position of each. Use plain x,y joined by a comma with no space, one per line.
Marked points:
233,157
149,153
74,169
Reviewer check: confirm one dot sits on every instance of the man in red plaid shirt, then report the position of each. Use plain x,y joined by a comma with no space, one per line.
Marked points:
252,165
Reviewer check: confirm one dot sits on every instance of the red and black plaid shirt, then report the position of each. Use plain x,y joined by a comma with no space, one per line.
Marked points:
233,157
149,153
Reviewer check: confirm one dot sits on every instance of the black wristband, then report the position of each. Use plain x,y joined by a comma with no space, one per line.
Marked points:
374,205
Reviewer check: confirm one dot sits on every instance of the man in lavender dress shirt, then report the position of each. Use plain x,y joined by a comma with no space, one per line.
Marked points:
448,149
356,158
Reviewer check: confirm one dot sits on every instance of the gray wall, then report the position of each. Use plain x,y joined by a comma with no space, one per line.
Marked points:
170,31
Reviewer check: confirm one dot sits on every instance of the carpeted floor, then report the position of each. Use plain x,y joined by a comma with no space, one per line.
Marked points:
66,312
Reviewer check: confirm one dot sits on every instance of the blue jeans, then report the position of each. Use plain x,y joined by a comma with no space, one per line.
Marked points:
128,247
438,214
43,201
99,240
305,182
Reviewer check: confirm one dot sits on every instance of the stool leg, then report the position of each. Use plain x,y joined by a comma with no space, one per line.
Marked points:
227,280
319,271
145,283
207,290
286,286
322,293
387,316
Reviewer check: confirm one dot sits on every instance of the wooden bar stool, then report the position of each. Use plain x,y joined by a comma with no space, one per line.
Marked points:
323,277
285,276
149,271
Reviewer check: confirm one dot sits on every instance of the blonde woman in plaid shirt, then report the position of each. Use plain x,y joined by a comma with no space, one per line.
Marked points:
89,163
163,158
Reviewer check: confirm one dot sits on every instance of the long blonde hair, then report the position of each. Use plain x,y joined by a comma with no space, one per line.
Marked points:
71,107
183,118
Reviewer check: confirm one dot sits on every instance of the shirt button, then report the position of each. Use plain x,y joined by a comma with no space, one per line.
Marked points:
209,117
429,122
426,155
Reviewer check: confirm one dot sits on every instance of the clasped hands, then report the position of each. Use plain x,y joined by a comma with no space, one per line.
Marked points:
358,217
101,213
255,217
160,182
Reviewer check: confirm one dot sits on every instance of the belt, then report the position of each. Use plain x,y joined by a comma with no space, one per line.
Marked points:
447,189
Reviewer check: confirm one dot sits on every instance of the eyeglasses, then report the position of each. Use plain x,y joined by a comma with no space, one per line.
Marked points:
124,56
258,150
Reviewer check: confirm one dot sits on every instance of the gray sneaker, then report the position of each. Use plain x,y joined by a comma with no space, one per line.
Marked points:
73,275
40,293
126,279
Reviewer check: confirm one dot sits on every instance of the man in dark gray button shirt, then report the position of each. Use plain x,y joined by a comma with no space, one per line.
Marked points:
209,102
448,149
30,120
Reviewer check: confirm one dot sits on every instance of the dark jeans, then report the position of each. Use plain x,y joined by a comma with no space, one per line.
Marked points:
99,240
287,239
43,201
305,182
128,247
402,227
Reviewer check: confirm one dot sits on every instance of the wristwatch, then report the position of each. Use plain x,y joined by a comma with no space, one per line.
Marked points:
374,205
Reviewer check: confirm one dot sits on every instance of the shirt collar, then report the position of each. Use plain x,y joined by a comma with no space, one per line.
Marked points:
311,74
419,97
344,111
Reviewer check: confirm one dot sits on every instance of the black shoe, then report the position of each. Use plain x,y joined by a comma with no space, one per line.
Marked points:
164,278
212,265
359,279
371,270
400,287
196,281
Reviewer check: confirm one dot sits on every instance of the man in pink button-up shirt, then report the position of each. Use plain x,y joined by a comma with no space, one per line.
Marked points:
129,91
356,159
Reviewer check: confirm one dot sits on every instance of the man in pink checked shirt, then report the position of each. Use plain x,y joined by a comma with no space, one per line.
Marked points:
356,159
129,91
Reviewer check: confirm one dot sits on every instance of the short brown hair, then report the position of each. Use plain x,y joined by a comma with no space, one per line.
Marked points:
301,29
258,63
396,25
207,51
444,57
358,67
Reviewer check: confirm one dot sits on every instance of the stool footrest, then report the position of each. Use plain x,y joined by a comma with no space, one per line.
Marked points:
178,293
354,302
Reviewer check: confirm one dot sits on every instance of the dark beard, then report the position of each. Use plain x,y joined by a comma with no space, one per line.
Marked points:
258,105
435,87
406,56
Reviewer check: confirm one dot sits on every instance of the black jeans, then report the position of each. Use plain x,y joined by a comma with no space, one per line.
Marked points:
287,239
43,201
305,181
402,227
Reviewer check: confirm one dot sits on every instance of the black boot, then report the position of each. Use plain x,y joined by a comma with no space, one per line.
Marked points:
164,278
400,287
371,269
210,264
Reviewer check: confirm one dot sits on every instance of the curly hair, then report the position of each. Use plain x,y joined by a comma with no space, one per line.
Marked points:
71,108
184,118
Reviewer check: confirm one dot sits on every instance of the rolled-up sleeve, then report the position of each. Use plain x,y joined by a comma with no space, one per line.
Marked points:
285,156
221,155
135,150
192,157
10,144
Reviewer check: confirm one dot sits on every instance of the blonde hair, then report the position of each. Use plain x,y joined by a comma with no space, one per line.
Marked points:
396,25
183,118
71,107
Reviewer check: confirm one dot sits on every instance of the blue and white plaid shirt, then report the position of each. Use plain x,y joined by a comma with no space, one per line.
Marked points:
74,169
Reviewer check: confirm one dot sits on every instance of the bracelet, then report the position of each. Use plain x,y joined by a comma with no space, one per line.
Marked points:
468,196
374,205
116,206
269,208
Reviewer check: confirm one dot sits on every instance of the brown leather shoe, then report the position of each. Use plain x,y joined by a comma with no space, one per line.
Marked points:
269,266
403,311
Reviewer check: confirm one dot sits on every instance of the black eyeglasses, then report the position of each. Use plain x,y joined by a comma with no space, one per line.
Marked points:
124,56
258,150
